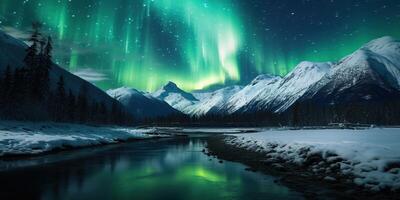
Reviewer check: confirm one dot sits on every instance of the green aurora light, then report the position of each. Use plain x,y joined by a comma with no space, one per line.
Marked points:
198,43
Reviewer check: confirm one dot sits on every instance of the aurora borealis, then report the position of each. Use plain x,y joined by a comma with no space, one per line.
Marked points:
198,43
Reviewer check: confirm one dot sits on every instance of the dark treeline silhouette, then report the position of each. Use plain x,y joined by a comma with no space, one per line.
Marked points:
170,120
304,113
26,94
308,113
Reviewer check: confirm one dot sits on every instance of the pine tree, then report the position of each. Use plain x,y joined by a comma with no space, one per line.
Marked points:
103,112
94,112
32,61
82,104
114,115
60,88
70,108
45,66
18,90
6,85
17,99
60,100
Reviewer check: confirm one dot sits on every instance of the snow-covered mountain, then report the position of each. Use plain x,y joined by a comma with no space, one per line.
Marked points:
12,53
262,84
213,102
142,105
175,97
372,73
280,95
187,103
264,93
273,93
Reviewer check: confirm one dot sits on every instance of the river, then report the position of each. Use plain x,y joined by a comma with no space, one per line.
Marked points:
171,168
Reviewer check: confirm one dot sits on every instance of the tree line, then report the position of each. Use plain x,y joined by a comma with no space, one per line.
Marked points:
26,93
385,111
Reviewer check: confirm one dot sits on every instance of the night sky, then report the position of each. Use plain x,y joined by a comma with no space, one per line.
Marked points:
198,43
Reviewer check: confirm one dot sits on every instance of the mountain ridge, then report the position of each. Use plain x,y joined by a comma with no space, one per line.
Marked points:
371,71
141,104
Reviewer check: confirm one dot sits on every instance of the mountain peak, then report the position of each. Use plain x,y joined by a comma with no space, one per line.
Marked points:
171,86
386,46
264,77
382,41
319,65
305,67
123,91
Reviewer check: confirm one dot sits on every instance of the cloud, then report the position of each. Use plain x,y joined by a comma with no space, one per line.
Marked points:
16,33
91,75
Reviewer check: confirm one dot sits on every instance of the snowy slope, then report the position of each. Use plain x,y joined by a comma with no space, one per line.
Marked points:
176,97
370,73
269,93
12,53
389,50
24,138
371,156
294,85
205,103
202,95
214,101
142,105
265,92
261,84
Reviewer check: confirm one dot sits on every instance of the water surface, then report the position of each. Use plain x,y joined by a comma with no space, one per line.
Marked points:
161,169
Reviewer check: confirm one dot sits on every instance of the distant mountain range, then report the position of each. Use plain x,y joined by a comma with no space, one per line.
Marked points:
362,87
142,105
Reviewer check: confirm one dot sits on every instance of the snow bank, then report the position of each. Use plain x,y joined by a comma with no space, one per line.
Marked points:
370,157
18,138
219,130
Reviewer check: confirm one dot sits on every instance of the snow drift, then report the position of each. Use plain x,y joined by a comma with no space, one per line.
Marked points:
370,157
24,138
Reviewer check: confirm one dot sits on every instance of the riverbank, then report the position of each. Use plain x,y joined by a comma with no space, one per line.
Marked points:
23,139
353,164
167,168
28,138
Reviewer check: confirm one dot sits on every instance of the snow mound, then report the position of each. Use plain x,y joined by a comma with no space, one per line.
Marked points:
23,138
370,157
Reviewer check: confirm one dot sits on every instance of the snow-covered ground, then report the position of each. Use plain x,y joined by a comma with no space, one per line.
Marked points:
219,130
22,138
371,156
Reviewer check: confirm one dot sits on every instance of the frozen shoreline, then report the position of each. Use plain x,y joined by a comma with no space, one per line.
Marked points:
28,138
370,158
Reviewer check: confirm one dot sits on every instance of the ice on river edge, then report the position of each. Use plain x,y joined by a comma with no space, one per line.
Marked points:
370,156
25,138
